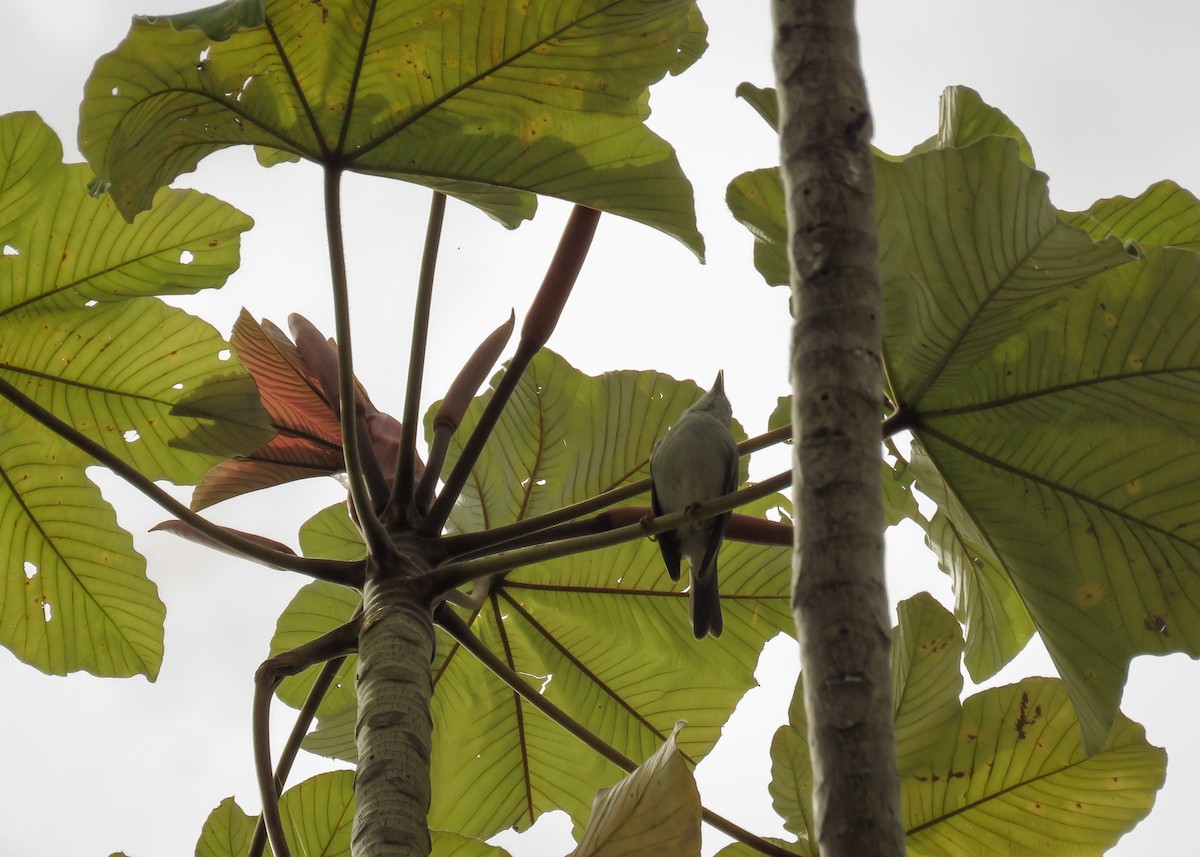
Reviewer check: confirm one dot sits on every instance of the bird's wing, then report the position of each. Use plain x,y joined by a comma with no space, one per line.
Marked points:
717,525
668,542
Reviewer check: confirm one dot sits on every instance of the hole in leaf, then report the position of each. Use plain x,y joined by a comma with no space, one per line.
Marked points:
10,250
178,386
46,612
116,90
30,570
186,257
224,354
91,303
131,436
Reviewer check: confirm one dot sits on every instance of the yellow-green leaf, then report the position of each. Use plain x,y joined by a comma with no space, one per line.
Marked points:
756,200
1164,215
317,814
74,593
490,102
653,812
1002,773
227,832
499,762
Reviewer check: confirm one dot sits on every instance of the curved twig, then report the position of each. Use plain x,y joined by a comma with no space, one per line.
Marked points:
335,644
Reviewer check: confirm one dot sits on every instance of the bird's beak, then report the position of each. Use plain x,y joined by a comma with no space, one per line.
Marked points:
719,384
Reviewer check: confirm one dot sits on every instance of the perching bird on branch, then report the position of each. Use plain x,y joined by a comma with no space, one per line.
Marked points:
697,460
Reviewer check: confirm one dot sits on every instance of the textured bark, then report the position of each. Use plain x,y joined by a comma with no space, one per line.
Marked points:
839,595
395,730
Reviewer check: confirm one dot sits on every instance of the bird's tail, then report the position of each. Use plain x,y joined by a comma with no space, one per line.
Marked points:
705,604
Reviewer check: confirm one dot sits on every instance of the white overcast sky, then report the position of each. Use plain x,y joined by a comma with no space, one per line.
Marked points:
1106,93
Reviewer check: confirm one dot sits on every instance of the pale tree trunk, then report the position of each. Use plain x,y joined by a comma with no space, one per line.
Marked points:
839,595
395,730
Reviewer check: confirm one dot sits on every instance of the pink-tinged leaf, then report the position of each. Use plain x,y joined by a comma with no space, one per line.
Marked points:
187,531
287,384
309,442
292,381
285,459
319,355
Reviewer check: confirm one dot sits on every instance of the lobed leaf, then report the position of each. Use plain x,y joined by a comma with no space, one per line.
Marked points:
1003,772
82,336
489,102
987,602
497,761
73,592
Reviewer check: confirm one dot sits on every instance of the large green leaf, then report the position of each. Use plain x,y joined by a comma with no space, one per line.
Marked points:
1053,384
756,198
756,201
317,609
74,593
64,248
653,812
497,761
1001,773
317,814
144,379
987,602
81,335
488,101
970,247
554,623
446,844
965,118
78,332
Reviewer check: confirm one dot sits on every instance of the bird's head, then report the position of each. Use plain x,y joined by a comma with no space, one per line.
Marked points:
715,401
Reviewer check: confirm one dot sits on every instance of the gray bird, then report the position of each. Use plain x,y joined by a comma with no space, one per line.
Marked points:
696,460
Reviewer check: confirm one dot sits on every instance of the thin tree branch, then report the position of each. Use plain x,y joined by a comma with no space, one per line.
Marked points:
455,574
374,533
458,398
465,543
539,324
456,627
400,503
321,569
461,544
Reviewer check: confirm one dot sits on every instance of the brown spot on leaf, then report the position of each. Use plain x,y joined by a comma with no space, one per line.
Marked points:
1157,625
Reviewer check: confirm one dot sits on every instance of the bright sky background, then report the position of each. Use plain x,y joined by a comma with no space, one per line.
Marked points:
1107,96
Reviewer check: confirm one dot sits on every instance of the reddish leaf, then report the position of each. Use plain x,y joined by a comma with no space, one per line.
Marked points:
309,442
